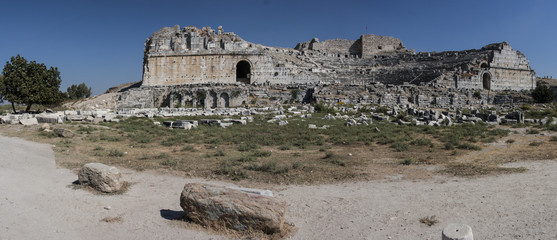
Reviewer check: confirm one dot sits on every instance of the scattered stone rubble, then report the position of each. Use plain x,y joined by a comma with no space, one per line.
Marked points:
354,115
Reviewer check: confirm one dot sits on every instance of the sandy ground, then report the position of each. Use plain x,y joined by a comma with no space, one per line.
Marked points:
38,202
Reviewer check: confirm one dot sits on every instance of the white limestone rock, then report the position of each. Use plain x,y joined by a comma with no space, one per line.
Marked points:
101,177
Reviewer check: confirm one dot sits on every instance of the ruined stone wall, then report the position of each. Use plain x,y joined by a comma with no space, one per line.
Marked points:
511,70
374,44
192,56
196,96
338,46
198,69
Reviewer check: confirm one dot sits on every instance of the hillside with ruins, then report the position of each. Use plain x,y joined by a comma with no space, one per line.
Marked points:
207,68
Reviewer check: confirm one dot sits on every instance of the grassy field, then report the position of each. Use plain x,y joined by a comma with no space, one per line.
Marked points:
262,152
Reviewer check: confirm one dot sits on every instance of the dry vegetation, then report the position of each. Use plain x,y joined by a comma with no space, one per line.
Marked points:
264,152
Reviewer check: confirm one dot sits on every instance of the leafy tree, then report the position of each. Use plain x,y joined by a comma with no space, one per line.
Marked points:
2,89
79,91
30,83
542,94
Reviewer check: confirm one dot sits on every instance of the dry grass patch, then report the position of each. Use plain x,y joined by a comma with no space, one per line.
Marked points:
266,153
471,169
117,219
429,220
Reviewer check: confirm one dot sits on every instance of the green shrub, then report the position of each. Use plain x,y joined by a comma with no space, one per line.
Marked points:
468,146
323,108
532,131
284,147
247,147
86,130
270,167
329,155
141,138
169,162
110,138
219,153
422,142
400,146
553,138
407,161
301,143
246,158
162,156
257,153
115,153
542,94
188,148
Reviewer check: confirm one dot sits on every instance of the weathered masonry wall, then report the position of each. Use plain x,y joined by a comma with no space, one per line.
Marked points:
188,96
198,69
511,70
191,56
374,44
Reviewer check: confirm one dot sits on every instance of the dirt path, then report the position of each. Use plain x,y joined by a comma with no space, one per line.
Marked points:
36,203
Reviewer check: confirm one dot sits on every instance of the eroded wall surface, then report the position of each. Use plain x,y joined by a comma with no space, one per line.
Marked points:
195,57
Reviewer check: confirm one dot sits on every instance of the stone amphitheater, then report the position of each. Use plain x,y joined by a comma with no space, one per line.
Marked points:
192,67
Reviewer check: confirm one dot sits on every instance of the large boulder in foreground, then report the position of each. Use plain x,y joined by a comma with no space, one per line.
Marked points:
101,177
216,206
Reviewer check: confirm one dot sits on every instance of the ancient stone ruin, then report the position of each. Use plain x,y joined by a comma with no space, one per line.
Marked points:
191,67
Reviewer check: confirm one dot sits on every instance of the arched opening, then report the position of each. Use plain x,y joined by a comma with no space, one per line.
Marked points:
224,100
243,72
214,99
484,66
486,81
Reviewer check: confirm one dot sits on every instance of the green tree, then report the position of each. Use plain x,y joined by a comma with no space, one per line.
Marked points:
79,91
31,83
2,89
542,94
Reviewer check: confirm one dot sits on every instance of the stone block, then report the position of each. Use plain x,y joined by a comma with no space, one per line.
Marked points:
101,177
211,205
28,121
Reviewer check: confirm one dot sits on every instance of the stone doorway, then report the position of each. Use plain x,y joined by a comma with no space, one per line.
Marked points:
224,100
243,72
486,77
214,99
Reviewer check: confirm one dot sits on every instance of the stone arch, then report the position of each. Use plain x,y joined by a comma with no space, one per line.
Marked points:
243,72
213,99
224,100
486,80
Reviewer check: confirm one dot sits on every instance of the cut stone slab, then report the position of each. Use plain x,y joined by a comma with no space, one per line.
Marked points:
28,122
101,177
62,132
211,205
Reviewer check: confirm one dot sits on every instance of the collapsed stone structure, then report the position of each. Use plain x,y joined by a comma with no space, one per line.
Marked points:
207,68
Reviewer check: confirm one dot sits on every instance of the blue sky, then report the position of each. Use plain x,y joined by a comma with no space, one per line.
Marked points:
100,42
